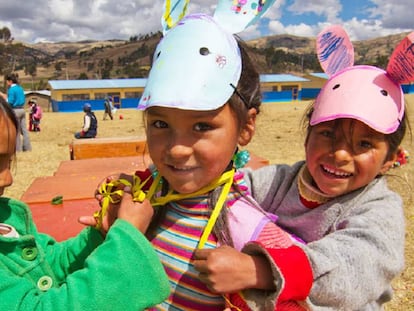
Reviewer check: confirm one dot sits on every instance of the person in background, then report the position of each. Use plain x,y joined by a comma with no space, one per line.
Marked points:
115,269
35,116
16,99
108,108
30,103
90,124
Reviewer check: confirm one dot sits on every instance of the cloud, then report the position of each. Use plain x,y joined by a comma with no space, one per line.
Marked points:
394,14
75,20
330,9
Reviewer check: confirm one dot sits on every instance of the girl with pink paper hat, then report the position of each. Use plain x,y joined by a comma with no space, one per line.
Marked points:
338,201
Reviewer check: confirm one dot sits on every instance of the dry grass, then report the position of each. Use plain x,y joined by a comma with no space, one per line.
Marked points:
278,138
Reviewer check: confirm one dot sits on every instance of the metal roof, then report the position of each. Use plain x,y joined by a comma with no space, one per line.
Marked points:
140,82
41,92
321,75
96,84
281,78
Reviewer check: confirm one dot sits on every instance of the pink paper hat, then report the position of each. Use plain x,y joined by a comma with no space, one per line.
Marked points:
364,93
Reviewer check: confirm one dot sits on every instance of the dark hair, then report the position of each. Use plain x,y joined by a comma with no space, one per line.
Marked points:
12,77
87,107
393,139
7,112
247,94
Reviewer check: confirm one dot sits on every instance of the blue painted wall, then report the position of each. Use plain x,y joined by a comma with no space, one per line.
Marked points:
283,96
97,104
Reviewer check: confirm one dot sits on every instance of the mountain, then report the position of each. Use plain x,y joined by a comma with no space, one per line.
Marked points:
127,59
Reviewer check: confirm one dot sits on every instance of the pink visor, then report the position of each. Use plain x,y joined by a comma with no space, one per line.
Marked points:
364,93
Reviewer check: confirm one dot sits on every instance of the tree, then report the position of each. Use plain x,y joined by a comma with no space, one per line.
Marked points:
8,51
31,69
83,76
5,35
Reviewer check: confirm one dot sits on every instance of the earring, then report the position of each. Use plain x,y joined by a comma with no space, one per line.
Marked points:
403,157
241,158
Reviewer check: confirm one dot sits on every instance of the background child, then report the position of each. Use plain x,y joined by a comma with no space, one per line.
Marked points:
35,116
88,272
337,201
90,123
108,108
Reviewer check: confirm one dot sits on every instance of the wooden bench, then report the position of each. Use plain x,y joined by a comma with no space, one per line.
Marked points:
76,181
107,147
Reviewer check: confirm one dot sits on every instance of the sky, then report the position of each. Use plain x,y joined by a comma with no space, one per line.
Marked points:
76,20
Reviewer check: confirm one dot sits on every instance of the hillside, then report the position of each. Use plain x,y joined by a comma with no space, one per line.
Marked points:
129,59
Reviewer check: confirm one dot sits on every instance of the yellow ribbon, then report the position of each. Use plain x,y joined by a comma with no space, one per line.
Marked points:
111,194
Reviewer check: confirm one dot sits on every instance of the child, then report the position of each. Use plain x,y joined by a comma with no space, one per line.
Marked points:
108,108
194,125
90,123
88,272
337,201
35,116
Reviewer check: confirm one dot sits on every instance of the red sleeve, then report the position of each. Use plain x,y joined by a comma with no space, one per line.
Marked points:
144,175
290,268
295,270
289,260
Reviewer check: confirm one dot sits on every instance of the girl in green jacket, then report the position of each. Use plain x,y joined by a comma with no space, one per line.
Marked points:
116,269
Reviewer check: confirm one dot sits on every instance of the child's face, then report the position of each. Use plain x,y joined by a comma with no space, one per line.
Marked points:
345,155
7,148
191,148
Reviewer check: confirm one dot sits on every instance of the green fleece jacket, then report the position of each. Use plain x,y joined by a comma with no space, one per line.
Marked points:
86,272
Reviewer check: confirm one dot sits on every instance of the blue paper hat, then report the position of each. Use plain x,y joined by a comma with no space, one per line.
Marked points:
198,63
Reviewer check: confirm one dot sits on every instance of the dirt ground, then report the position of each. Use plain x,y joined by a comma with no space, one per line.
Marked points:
279,138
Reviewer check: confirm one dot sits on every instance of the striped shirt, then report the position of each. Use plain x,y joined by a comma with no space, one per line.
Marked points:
175,241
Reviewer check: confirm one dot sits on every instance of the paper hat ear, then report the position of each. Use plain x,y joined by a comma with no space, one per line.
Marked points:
232,15
401,64
365,93
334,49
174,11
237,15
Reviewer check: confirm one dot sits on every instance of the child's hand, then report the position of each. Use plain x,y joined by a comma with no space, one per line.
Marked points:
137,213
107,220
109,179
224,269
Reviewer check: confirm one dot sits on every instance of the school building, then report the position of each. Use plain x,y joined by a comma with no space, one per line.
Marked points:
70,95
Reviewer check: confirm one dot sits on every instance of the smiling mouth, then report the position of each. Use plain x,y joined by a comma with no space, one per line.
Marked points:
335,173
180,169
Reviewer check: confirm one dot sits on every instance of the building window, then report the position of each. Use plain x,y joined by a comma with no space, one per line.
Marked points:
70,97
103,95
289,87
133,94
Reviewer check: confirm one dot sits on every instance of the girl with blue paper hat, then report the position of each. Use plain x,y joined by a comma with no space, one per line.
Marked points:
201,101
338,201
